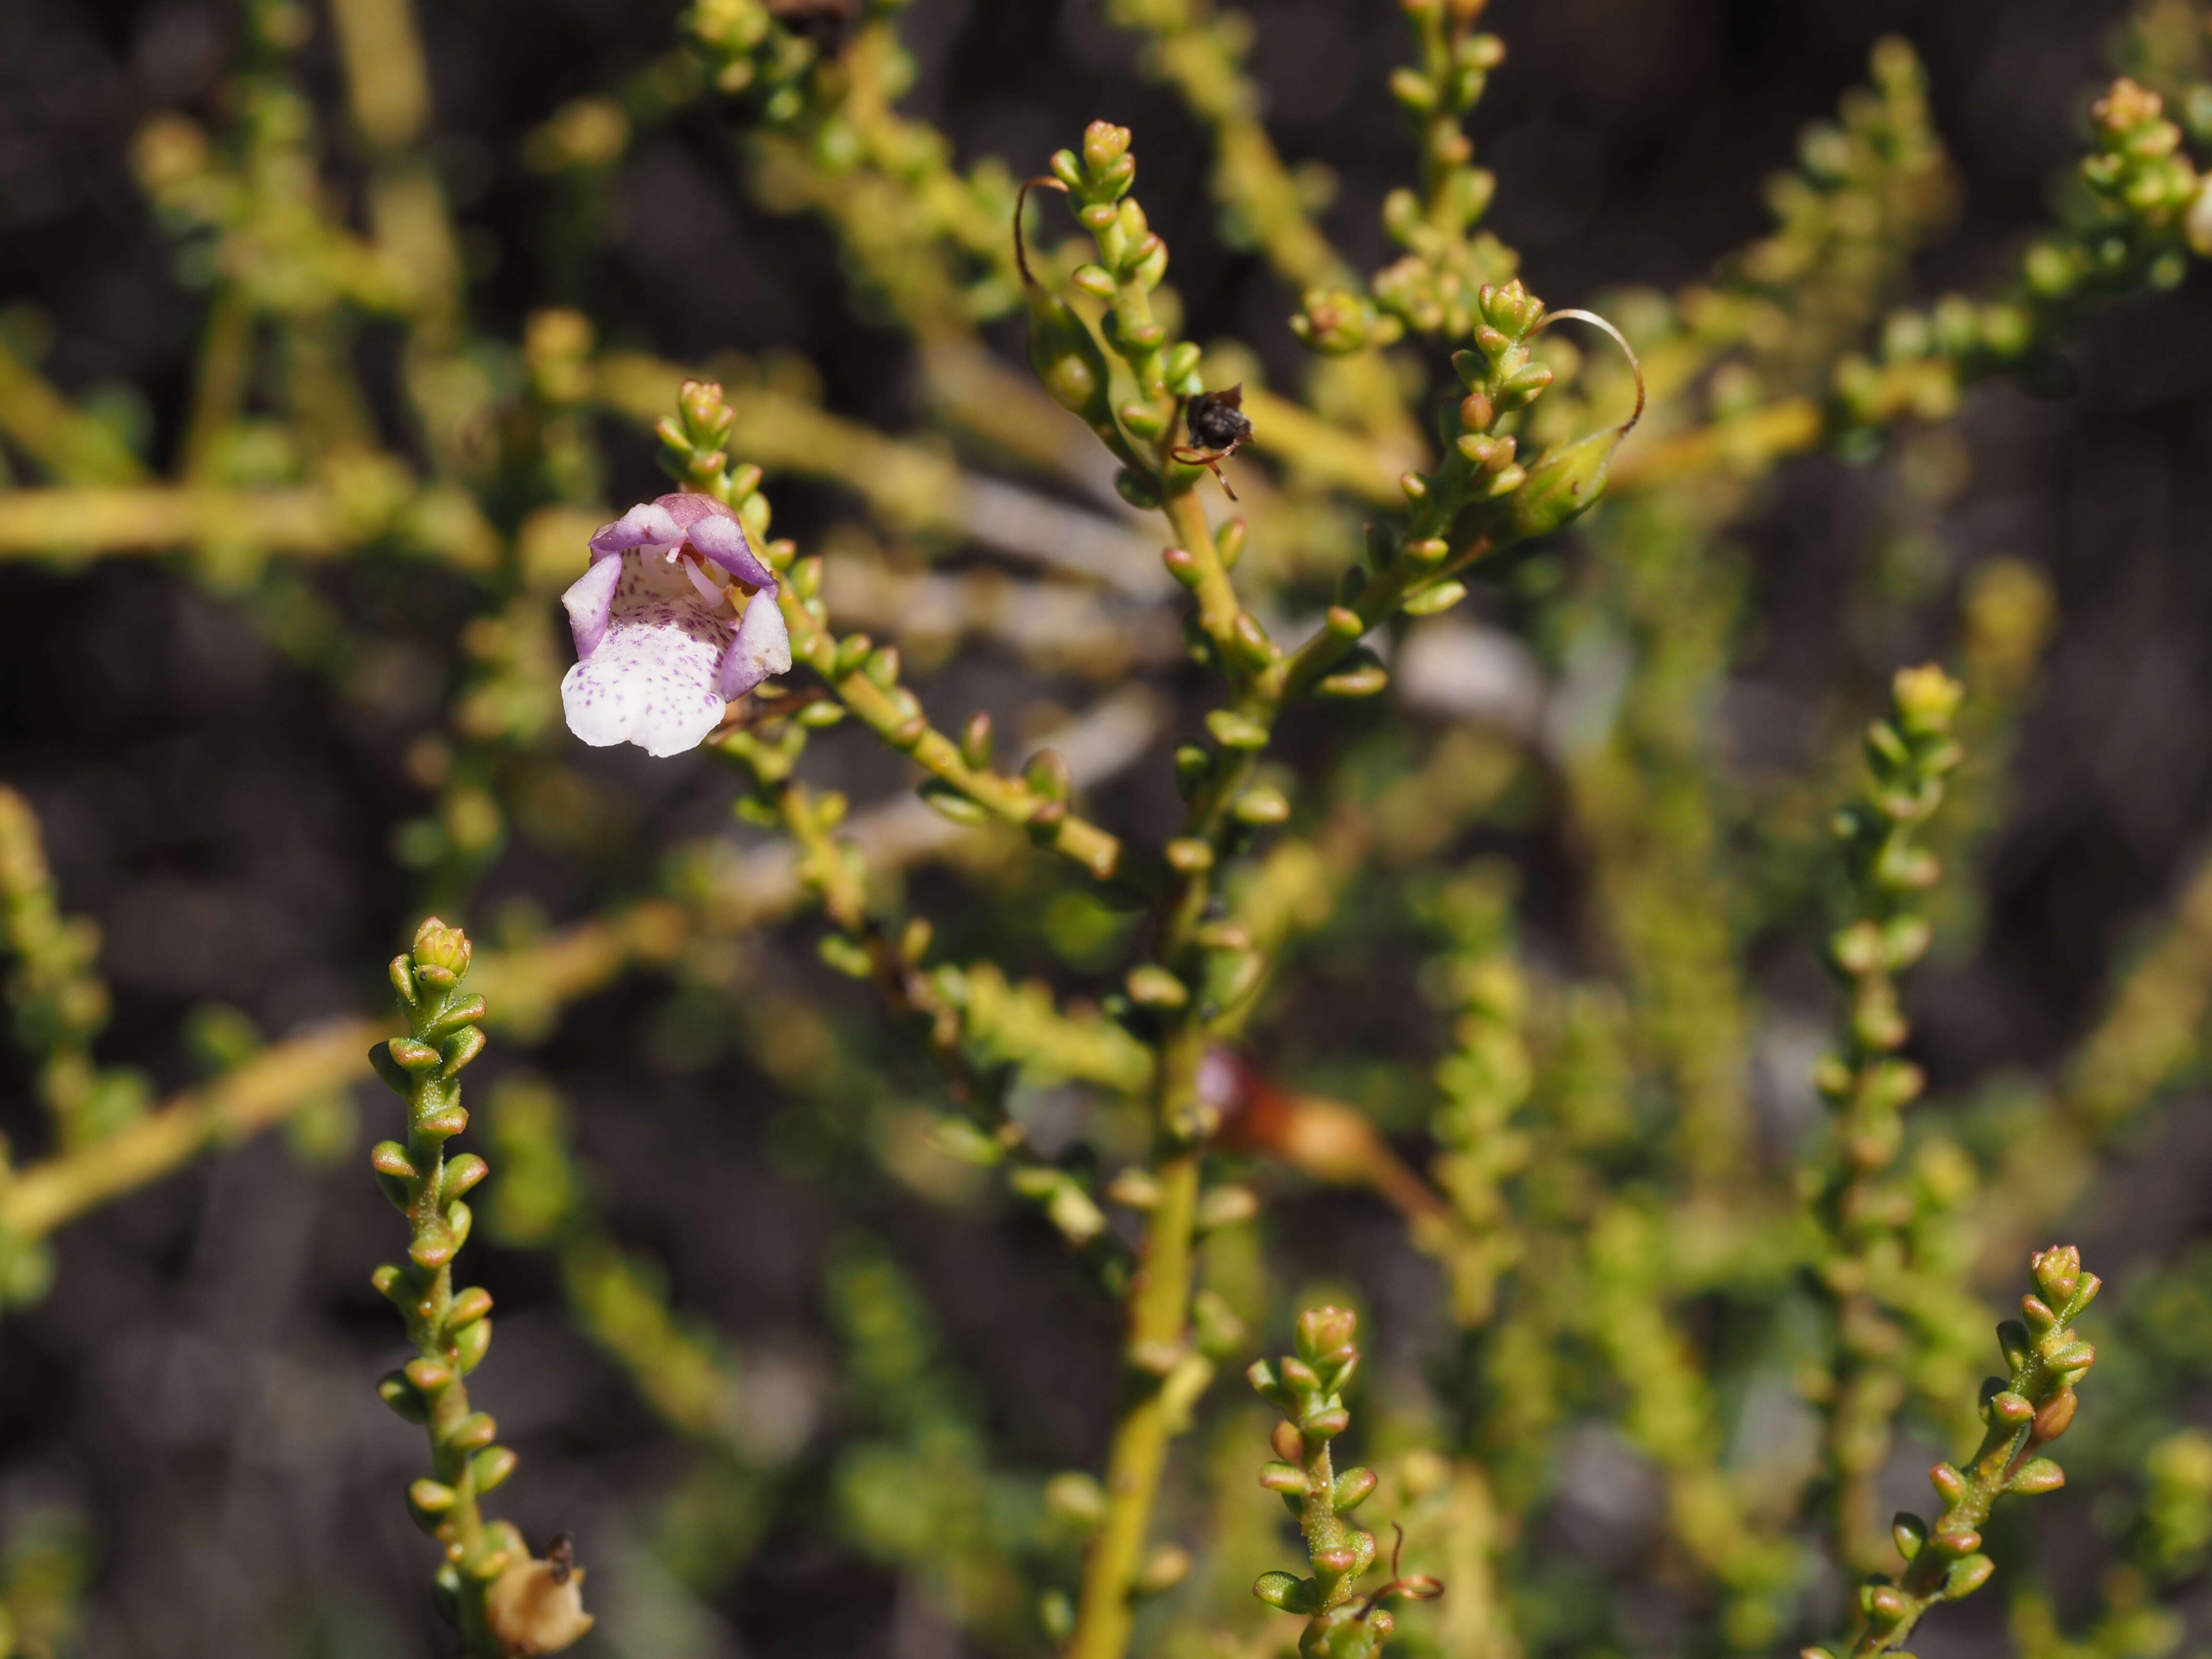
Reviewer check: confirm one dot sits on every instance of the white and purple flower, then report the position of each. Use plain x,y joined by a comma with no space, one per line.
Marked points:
660,651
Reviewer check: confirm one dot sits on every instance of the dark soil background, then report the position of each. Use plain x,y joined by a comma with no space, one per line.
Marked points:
199,1379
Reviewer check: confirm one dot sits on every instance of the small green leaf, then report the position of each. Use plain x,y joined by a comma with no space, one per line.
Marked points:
1430,600
1285,1591
2037,1474
1235,731
1282,1477
947,802
1967,1576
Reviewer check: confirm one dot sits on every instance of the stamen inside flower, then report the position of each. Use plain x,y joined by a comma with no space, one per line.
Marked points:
709,580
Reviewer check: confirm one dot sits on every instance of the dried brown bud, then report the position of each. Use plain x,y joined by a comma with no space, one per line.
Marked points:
537,1606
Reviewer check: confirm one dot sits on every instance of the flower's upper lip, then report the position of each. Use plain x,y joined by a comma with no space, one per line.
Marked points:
647,525
711,529
688,509
722,539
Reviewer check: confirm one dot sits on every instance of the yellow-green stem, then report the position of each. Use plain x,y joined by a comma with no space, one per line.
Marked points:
1008,799
1217,600
225,370
1159,1299
1159,1305
427,1326
243,1100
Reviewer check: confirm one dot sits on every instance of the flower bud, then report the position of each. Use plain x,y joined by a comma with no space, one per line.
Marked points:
439,947
1510,306
1337,322
1926,699
1323,1331
1103,144
2058,1273
705,413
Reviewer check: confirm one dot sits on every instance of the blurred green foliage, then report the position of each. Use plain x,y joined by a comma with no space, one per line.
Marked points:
1657,1303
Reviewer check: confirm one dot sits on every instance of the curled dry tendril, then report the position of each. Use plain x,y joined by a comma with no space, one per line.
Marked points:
1635,365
